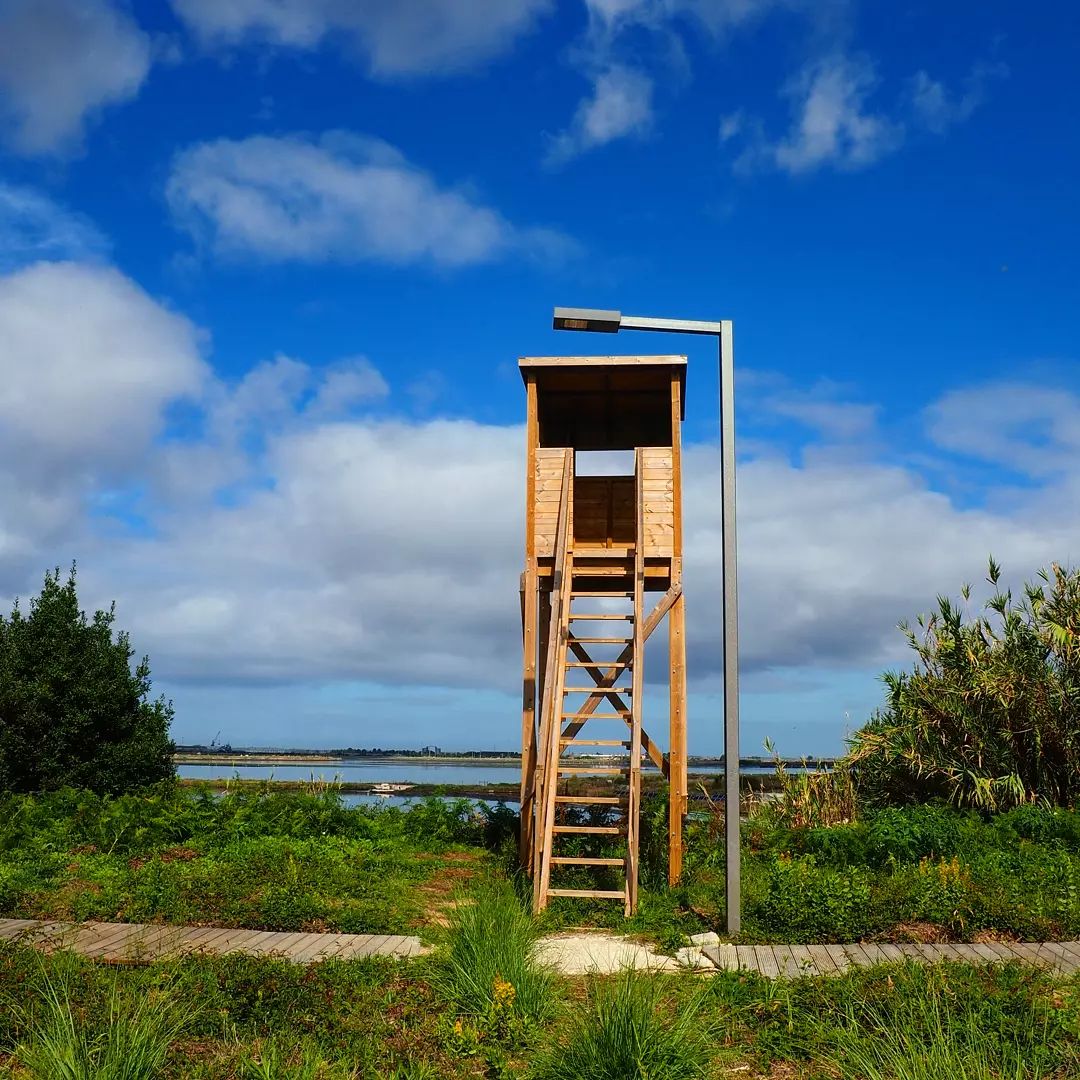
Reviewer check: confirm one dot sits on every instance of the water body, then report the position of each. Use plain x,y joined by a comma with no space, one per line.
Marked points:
389,772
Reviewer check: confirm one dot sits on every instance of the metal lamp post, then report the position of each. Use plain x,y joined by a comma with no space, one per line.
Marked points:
611,322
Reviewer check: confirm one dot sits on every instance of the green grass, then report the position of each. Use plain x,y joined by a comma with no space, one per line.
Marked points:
248,1018
129,1039
489,965
626,1028
260,859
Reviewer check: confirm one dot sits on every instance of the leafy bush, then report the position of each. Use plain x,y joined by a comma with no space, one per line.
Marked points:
990,715
802,901
72,711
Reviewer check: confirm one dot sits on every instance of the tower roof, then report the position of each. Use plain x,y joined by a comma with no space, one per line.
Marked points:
605,402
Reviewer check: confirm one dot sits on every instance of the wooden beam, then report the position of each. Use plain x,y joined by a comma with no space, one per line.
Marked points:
553,686
677,740
596,698
528,713
633,817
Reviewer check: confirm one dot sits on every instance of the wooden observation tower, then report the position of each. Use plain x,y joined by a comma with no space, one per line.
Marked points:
603,567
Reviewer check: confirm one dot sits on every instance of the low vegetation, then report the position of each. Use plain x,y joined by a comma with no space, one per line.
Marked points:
245,1018
255,858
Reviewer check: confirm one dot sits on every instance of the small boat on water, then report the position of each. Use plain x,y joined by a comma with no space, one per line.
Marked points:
384,790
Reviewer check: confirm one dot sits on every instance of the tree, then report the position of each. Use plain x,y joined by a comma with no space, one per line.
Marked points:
990,715
73,711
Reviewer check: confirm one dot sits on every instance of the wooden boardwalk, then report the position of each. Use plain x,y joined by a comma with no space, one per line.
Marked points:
134,942
139,942
791,961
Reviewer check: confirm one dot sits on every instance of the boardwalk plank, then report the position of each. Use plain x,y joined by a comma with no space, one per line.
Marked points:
107,937
724,956
302,952
839,957
874,953
824,964
803,960
12,928
766,961
747,957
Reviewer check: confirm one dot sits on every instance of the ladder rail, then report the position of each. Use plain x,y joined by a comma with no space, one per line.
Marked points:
553,688
633,816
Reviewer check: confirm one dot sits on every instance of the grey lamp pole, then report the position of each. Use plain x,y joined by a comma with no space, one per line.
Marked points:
611,322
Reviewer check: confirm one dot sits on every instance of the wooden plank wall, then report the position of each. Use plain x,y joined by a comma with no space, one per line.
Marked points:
604,505
549,473
659,488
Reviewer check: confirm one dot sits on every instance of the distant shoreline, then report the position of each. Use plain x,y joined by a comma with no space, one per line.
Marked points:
255,758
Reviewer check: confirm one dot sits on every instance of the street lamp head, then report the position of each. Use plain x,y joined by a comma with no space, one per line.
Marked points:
567,318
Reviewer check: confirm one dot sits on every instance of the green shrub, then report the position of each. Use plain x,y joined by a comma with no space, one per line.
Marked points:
803,901
990,715
72,711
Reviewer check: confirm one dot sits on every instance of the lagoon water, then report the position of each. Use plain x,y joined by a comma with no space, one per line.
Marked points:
385,772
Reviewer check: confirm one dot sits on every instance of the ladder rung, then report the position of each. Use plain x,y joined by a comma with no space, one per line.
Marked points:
600,894
574,860
617,595
622,714
604,640
609,769
598,663
594,742
594,689
591,830
591,800
596,618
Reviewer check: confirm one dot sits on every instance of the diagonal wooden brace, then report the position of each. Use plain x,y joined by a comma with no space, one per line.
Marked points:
608,677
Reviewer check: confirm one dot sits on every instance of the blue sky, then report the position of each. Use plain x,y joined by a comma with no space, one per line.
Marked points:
266,267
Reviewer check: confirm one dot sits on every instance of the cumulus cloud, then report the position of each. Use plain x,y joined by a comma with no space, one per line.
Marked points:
409,37
61,62
33,228
341,198
88,364
620,105
297,530
833,123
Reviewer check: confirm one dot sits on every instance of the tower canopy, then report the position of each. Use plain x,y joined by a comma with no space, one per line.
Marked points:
605,402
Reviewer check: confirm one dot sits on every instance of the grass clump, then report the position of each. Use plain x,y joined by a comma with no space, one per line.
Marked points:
933,1034
625,1030
129,1040
490,965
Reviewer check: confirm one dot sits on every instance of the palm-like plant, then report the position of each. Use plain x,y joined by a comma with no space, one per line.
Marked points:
990,715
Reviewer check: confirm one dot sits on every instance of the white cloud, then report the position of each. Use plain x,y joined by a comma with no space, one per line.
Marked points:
88,363
407,37
33,227
293,536
937,108
342,198
61,62
620,105
833,124
1033,430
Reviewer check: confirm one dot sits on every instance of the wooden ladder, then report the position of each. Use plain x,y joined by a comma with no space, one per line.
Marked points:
609,697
